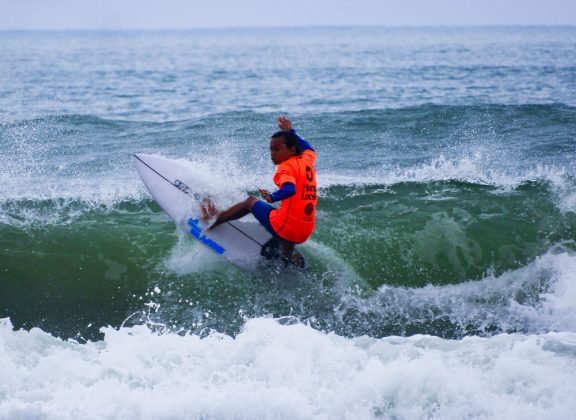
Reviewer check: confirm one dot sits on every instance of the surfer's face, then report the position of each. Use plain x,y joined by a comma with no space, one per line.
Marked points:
279,152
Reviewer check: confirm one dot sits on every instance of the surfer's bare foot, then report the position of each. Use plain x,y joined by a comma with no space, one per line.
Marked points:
208,210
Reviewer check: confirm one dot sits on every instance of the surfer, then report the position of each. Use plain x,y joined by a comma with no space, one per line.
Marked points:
294,221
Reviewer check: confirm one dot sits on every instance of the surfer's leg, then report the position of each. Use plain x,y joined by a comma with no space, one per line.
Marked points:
237,211
287,248
290,255
261,212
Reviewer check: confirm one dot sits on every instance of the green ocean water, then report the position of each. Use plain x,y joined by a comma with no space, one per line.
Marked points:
88,247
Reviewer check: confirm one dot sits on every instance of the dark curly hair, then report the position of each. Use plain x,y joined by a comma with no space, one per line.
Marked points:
290,140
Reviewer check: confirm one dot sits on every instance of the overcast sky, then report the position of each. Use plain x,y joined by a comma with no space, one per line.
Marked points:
178,14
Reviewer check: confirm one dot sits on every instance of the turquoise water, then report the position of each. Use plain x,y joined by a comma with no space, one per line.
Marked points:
447,207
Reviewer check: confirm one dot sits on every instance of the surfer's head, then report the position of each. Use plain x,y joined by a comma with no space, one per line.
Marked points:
283,145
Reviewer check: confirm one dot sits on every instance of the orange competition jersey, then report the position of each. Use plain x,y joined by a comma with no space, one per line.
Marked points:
294,221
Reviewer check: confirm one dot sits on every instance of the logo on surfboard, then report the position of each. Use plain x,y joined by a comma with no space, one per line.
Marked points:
196,231
186,189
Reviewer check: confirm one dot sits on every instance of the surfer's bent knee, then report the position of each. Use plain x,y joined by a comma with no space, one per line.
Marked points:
249,202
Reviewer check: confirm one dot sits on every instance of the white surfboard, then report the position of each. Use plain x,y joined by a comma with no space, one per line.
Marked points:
179,192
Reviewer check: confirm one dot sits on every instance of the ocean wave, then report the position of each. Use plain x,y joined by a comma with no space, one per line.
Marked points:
467,169
533,299
63,120
58,207
280,369
419,264
536,298
489,144
402,118
417,232
56,193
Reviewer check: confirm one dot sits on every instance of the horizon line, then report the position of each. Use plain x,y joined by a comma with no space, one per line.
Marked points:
304,26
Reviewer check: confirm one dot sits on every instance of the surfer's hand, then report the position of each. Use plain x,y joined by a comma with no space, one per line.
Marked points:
265,195
284,123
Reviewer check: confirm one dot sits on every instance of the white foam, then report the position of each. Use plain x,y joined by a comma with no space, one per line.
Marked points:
285,371
536,298
62,201
559,303
473,167
222,167
188,257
